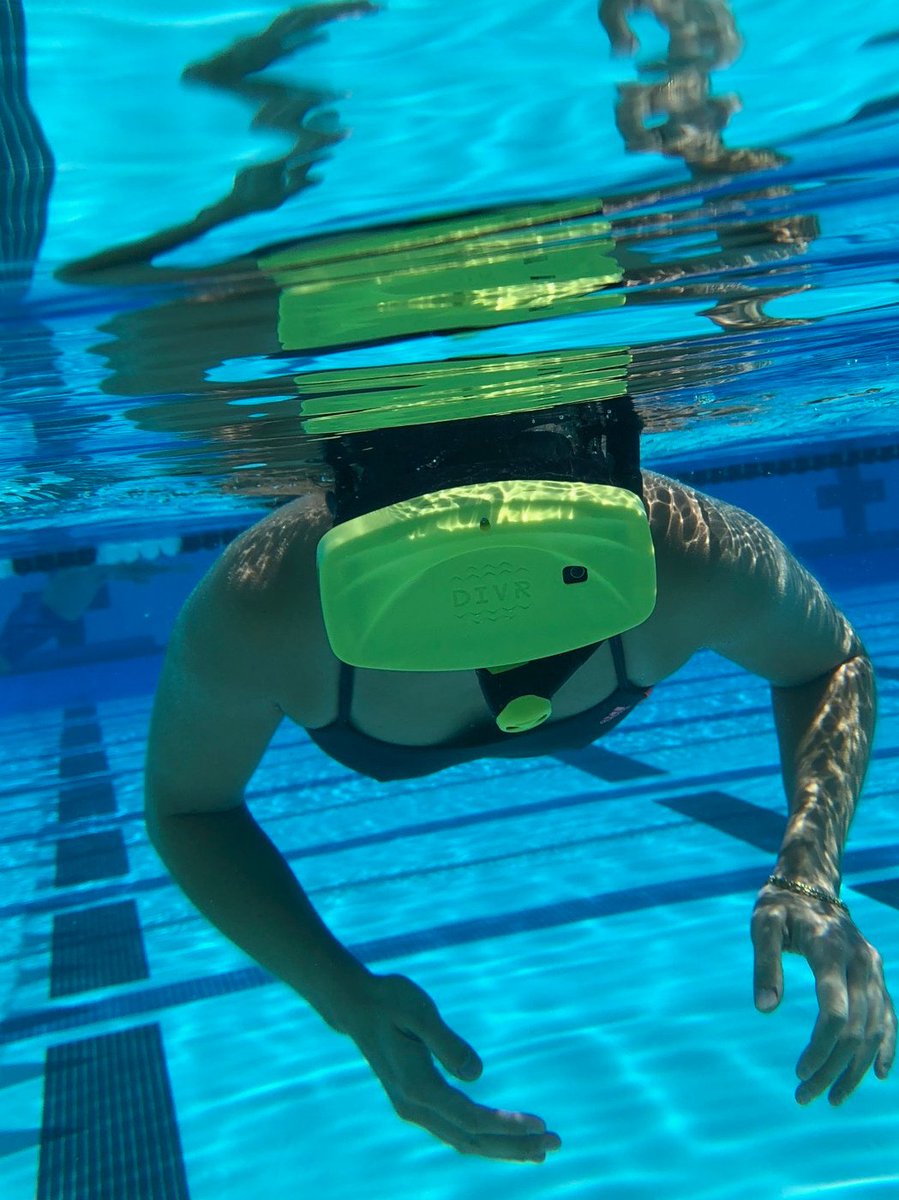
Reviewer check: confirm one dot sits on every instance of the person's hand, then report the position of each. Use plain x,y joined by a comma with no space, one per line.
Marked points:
400,1032
265,186
298,26
693,121
856,1025
699,30
292,30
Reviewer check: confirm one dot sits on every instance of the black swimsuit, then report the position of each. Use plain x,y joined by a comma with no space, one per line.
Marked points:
387,761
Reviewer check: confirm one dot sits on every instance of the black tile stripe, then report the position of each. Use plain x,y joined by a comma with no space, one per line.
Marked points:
607,765
97,947
85,787
105,892
749,823
850,494
109,1130
652,894
797,464
76,737
886,891
54,560
86,790
95,798
91,762
89,857
80,712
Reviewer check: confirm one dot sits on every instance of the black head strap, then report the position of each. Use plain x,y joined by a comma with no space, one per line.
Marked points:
594,443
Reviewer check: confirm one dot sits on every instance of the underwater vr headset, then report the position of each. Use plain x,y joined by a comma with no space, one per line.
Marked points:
490,577
517,578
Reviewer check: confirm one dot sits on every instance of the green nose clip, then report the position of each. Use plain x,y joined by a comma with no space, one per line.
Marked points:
512,692
524,713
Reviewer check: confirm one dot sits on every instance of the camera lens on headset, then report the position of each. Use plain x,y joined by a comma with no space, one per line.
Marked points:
574,574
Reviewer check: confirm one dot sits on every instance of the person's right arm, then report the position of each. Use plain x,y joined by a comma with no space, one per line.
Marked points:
212,720
214,715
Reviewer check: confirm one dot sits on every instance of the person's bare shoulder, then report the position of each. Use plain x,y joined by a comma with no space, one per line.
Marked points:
690,532
737,589
693,529
264,567
254,620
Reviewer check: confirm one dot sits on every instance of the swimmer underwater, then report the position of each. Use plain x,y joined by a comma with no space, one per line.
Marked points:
620,577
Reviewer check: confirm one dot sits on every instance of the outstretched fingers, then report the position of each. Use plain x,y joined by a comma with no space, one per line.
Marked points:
838,1032
424,1023
507,1147
429,1101
877,1044
883,1064
400,1031
856,1027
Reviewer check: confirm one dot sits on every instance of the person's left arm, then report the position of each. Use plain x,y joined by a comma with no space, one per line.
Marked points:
773,618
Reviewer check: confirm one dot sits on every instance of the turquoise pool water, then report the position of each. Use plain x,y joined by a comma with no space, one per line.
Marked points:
584,924
581,919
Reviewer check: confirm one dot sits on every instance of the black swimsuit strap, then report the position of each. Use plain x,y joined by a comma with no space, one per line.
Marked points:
618,660
345,693
574,659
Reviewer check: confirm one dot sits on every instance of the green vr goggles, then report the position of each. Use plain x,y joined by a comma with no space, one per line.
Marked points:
488,577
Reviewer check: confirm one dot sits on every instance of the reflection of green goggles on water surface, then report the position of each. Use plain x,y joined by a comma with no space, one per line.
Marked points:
487,576
458,273
518,579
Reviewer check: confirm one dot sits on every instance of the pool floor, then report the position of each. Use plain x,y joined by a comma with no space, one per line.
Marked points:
582,920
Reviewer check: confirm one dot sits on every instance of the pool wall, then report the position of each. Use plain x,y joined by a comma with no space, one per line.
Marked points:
837,509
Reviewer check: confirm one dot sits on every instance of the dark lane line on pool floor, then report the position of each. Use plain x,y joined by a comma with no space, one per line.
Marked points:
57,902
647,896
108,1123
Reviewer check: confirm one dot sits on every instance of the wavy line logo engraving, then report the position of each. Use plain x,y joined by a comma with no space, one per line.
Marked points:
494,592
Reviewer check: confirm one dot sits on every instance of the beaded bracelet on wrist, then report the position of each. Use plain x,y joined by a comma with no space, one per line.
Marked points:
805,889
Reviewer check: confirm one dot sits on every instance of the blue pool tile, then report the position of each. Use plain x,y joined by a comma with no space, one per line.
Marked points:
109,1129
419,941
14,1141
96,947
650,895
